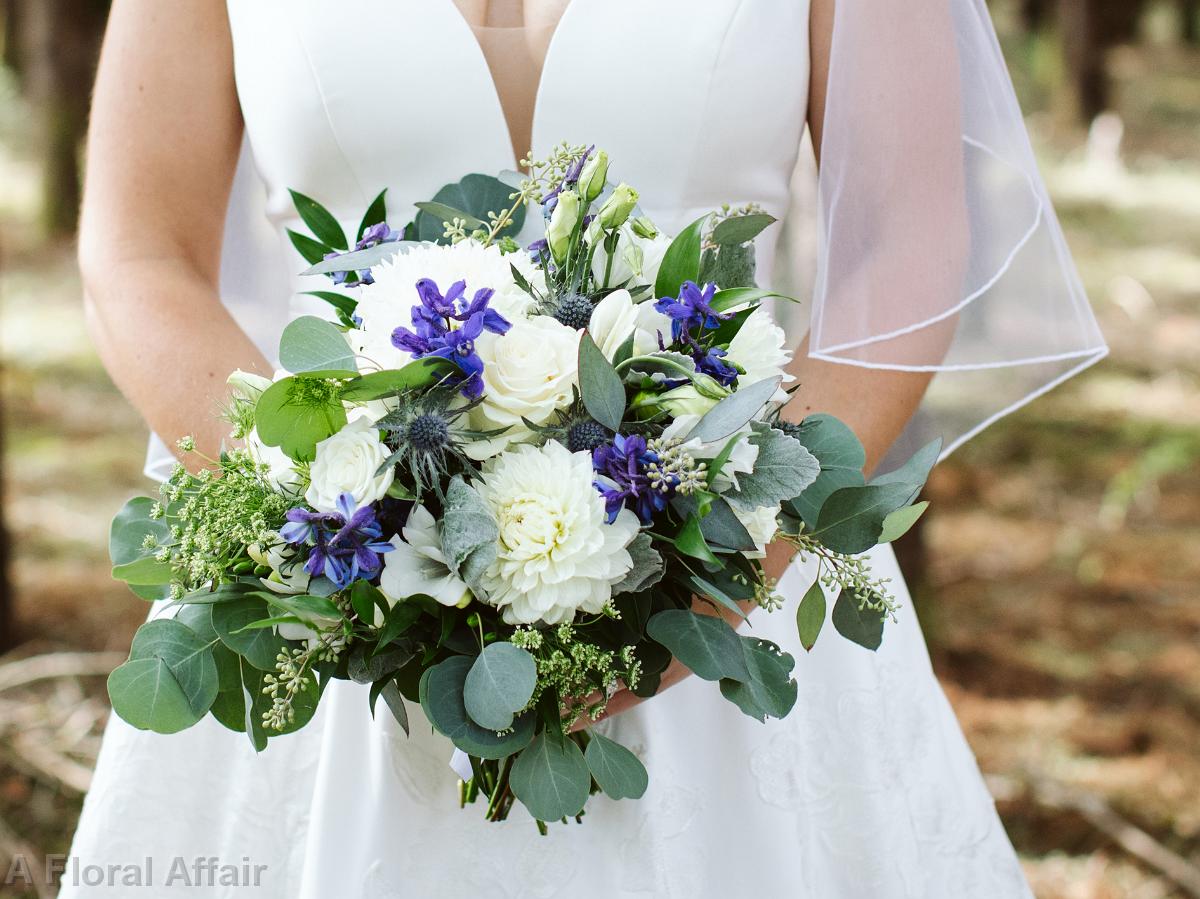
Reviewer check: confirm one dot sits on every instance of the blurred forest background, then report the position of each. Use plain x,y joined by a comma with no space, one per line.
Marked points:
1056,575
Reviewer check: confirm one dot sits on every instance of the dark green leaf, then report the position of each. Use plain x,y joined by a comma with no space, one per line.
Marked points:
447,214
770,691
133,562
259,647
319,220
690,541
599,385
737,296
366,666
851,520
681,262
309,609
810,615
499,684
412,376
551,778
145,694
185,654
376,213
476,195
706,644
395,703
311,251
366,599
620,773
712,591
859,625
343,304
719,525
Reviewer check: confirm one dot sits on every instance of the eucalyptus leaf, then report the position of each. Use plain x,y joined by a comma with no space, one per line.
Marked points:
186,655
476,195
770,692
897,524
856,623
441,692
395,703
447,214
469,532
145,694
551,778
734,412
915,472
259,647
132,561
620,773
851,519
599,385
841,456
717,595
367,667
356,261
706,644
296,419
810,616
310,344
499,684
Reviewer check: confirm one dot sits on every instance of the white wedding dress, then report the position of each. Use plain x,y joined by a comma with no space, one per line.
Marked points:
868,789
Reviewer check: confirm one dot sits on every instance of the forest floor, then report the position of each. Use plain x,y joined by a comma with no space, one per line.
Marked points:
1060,590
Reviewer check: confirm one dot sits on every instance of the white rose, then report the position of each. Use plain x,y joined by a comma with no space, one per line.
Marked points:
685,400
762,524
613,320
741,459
528,373
417,565
347,462
759,348
557,556
651,324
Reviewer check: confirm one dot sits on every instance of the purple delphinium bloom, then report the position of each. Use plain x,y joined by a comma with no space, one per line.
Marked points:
372,237
712,362
432,334
692,308
570,176
622,480
346,544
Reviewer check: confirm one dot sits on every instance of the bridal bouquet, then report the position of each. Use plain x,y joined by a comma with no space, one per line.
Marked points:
508,482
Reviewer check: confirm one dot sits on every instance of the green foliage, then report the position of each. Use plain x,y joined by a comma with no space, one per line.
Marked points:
648,566
620,773
469,532
770,691
681,262
810,615
840,455
375,214
297,413
311,344
471,198
414,375
897,524
170,680
441,692
258,646
599,385
320,221
740,229
551,777
783,470
134,540
734,412
706,644
499,685
858,622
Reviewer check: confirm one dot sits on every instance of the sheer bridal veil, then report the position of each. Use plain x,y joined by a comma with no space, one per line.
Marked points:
938,248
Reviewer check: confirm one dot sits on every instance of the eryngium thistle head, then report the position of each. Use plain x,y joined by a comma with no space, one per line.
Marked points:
788,427
428,432
586,435
573,310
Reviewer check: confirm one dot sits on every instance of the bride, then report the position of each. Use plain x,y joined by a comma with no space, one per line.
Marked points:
944,297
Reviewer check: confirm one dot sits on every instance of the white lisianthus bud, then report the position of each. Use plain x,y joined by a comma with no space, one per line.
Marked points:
593,177
347,462
644,228
616,209
562,224
688,400
247,385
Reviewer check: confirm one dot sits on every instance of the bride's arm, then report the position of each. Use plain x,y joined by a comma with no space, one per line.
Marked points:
161,152
877,404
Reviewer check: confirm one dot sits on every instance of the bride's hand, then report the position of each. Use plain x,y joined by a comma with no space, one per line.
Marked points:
779,556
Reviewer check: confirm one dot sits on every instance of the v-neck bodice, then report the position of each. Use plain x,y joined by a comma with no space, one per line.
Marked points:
695,106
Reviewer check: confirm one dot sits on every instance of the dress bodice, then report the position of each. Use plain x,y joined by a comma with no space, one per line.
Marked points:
695,108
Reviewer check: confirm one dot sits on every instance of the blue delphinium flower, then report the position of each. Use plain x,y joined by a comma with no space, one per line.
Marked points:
372,237
432,334
692,309
622,479
712,362
346,544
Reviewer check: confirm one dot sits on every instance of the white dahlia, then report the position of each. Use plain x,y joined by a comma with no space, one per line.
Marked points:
387,304
557,555
418,564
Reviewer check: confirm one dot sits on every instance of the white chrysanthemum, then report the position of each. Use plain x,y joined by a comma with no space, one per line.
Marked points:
557,555
387,304
760,348
528,373
417,565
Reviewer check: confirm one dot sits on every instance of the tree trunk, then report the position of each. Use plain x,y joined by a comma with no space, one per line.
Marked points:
1085,51
60,49
12,57
7,598
1189,26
